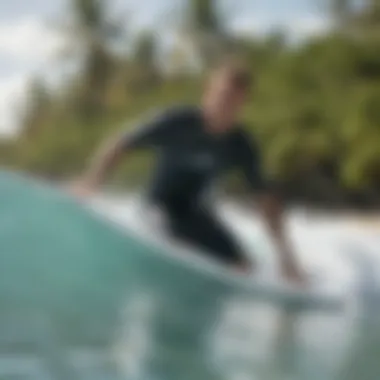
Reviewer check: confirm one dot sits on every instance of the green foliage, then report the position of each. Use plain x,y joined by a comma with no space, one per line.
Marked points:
315,106
203,16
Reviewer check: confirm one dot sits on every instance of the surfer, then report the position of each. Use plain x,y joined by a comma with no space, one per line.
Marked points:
194,146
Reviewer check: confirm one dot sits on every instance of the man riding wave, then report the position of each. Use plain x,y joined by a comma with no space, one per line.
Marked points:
195,145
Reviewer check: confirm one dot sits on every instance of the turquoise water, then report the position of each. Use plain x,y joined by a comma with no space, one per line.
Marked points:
81,300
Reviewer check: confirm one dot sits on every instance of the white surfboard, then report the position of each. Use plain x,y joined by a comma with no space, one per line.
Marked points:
146,226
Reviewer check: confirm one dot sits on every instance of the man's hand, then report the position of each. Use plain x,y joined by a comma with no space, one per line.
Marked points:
103,162
81,189
293,273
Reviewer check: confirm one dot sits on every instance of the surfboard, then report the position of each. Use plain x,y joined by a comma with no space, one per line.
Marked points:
147,227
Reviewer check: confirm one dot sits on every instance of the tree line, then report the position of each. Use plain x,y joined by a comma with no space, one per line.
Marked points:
315,108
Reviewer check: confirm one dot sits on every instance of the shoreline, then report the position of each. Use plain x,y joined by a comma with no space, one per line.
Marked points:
364,220
368,221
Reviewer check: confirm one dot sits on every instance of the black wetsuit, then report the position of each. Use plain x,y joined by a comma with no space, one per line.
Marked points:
189,159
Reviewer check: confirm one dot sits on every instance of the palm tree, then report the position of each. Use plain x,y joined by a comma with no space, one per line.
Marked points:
91,30
363,21
204,31
144,71
368,19
341,10
37,108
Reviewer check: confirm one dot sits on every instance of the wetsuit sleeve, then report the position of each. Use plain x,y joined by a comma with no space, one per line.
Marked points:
155,131
250,163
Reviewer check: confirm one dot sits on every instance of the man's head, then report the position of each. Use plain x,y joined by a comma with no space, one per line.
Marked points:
226,92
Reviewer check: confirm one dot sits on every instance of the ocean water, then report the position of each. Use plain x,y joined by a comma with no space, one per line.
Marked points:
81,300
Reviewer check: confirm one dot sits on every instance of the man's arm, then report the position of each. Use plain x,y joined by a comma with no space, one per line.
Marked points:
104,161
148,134
271,208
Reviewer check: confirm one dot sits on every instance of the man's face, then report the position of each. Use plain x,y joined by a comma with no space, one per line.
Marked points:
224,97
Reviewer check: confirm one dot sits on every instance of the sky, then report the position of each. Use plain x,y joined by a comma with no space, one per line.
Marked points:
29,43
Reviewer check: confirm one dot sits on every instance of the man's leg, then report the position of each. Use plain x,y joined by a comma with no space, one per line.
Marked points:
207,232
